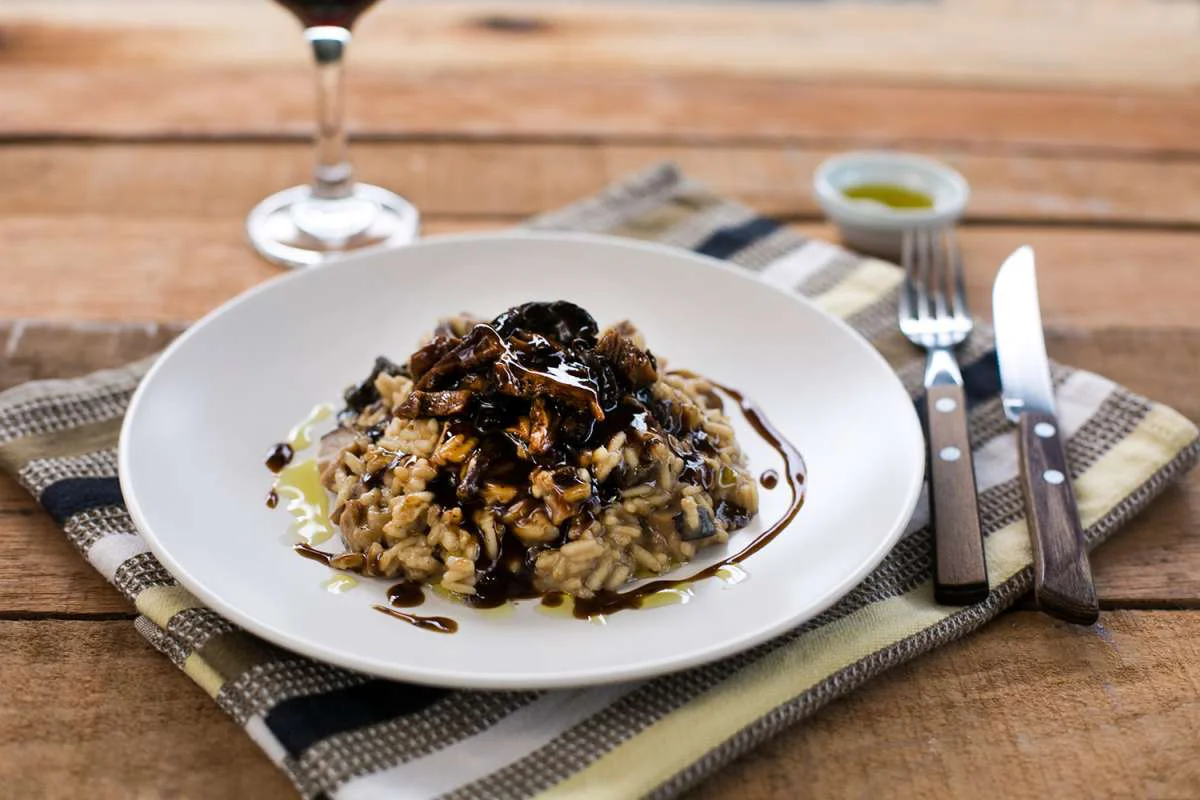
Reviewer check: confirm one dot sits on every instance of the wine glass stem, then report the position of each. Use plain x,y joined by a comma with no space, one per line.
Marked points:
332,178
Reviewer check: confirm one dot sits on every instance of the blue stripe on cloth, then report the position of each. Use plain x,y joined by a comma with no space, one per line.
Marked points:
724,242
300,722
981,382
68,497
981,379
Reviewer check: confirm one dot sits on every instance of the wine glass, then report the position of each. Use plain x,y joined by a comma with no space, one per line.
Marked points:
308,225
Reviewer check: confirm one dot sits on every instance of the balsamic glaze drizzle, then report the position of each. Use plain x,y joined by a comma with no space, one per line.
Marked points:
509,578
279,456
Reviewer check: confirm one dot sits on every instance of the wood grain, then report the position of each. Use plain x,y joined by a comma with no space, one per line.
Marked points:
220,103
144,270
92,709
1044,708
1112,42
1028,707
43,575
515,179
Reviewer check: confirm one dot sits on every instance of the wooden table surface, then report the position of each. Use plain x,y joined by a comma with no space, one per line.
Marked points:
136,134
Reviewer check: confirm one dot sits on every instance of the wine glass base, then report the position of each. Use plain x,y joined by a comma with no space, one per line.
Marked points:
294,229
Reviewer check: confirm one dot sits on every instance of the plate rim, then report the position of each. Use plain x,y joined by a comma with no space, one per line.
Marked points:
576,678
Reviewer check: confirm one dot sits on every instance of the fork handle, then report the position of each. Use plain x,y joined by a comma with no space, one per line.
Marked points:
960,577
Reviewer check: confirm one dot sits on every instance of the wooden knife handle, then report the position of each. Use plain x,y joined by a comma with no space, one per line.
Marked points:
1061,573
960,577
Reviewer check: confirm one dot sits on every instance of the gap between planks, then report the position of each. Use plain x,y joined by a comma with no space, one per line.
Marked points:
360,135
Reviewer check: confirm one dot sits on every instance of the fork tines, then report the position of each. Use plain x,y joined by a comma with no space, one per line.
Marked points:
933,295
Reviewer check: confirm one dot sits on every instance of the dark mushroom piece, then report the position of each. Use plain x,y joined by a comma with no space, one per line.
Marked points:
561,321
363,394
480,346
636,365
707,528
421,361
541,432
434,404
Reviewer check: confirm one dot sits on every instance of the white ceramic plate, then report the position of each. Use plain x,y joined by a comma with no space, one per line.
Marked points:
193,443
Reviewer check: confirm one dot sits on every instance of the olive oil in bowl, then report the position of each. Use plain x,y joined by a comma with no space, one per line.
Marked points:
889,194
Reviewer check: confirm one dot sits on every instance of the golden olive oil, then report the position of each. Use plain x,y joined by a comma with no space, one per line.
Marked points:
300,436
890,194
340,582
299,486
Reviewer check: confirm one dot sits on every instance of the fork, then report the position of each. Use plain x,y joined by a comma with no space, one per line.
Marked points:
933,315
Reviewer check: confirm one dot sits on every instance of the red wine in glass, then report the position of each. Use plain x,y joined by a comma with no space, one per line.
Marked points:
340,13
334,214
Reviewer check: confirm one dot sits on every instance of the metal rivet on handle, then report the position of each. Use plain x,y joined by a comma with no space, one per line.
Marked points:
1053,476
949,454
1044,429
945,404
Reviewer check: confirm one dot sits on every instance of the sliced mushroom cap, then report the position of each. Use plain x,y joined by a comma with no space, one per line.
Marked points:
434,404
564,322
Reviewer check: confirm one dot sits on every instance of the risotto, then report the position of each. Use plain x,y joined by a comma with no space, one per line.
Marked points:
532,454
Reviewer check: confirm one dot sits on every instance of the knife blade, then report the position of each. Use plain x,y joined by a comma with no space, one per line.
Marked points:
1024,367
1063,583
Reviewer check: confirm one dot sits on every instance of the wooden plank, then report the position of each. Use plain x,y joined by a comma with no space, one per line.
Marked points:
1026,707
91,707
1092,278
42,574
171,103
809,71
1154,562
138,269
980,42
36,351
178,268
521,179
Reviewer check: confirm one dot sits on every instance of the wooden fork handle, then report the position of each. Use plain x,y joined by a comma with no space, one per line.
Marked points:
960,576
1062,576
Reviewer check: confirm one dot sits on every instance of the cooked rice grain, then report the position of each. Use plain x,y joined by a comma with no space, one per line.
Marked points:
394,526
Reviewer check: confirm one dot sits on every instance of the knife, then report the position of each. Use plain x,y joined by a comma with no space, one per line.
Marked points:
1062,576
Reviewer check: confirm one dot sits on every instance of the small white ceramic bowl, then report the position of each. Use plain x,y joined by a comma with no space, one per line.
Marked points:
871,227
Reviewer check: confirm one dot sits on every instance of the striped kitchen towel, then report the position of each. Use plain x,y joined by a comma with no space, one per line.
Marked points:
344,735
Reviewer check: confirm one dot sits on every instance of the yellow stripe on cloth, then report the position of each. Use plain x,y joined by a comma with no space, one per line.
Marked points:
683,736
1157,439
680,738
199,670
160,603
236,652
656,222
16,453
865,286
